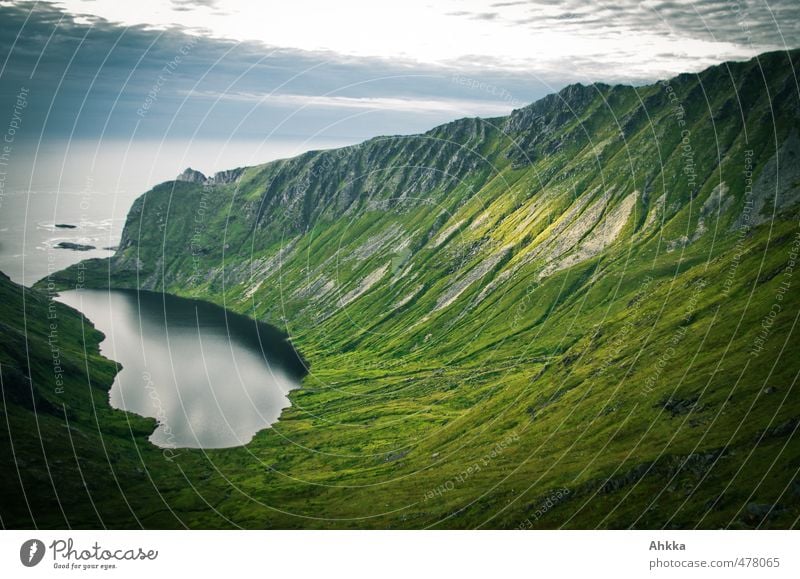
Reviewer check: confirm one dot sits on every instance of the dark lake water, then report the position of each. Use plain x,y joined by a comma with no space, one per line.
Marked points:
211,378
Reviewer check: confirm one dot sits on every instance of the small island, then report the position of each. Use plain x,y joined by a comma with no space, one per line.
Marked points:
74,246
65,226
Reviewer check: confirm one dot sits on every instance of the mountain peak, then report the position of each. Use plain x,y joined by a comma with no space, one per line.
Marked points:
189,175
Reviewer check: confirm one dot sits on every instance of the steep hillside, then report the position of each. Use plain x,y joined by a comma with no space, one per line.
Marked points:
582,314
68,459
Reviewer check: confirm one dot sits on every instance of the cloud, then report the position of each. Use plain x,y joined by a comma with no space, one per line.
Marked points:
195,3
456,107
485,15
741,22
90,76
635,41
532,36
189,5
93,78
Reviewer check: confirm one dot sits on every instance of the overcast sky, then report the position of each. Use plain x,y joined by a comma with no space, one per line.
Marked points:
317,72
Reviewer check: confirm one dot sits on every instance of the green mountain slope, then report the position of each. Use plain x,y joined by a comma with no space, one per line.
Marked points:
579,315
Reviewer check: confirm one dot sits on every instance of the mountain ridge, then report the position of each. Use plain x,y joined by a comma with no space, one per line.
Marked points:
558,281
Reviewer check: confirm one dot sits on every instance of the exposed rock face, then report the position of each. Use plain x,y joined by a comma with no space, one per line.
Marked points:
220,177
475,274
713,208
539,127
385,172
191,176
228,176
364,285
378,242
442,237
596,238
778,185
656,211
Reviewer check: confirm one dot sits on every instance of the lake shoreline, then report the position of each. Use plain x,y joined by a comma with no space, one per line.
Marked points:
279,360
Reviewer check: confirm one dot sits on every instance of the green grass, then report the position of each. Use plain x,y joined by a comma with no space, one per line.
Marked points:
626,379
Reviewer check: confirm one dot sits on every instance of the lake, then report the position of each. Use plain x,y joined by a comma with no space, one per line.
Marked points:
212,378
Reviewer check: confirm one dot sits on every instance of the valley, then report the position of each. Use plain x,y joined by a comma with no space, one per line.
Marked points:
581,315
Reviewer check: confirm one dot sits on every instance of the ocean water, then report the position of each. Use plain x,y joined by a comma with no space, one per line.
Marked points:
91,185
29,238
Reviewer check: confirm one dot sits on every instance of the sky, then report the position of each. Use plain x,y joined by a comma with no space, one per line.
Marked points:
238,82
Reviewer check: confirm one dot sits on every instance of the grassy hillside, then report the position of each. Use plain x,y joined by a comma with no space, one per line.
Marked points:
580,315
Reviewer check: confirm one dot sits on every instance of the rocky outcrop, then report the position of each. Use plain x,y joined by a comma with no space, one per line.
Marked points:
596,238
228,176
364,285
714,207
778,185
75,246
189,175
473,275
